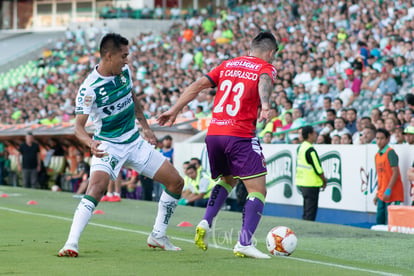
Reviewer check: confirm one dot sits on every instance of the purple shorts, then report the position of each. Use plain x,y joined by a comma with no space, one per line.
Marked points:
237,156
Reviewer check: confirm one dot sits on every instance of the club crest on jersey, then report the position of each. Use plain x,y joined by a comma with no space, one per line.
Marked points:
113,162
88,100
105,158
123,79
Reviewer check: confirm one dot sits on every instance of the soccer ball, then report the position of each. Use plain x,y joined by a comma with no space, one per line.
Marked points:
281,241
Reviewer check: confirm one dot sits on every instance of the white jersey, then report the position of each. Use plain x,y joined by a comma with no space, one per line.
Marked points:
108,100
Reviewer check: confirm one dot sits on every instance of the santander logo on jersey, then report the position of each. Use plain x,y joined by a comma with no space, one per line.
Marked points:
244,64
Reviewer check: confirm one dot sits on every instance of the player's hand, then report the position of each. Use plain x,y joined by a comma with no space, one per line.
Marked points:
375,200
385,197
264,114
167,118
150,136
94,149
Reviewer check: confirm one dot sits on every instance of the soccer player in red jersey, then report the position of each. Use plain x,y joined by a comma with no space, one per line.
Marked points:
244,84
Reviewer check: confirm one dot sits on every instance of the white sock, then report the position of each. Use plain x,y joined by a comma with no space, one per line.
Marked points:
166,207
109,194
80,219
117,194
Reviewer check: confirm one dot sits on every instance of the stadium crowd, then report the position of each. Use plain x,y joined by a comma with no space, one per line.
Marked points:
343,66
351,60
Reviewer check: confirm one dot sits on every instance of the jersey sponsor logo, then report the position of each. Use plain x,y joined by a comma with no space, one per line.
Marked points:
82,92
244,64
222,122
108,110
241,74
88,100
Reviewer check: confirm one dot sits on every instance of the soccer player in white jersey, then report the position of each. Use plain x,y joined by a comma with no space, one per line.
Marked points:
107,97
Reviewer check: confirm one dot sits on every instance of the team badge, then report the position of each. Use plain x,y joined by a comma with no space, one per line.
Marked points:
113,162
123,79
88,100
105,158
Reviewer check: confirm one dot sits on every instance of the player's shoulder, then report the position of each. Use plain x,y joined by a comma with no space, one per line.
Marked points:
92,80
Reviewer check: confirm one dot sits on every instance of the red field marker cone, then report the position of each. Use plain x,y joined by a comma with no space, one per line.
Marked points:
4,195
185,224
32,202
98,212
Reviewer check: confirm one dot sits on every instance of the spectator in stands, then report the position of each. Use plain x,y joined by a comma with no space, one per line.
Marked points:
338,106
346,139
273,123
368,134
326,102
298,122
386,102
285,106
409,101
390,187
353,83
30,165
371,77
390,125
335,139
375,114
330,114
351,116
267,138
340,128
409,135
344,94
399,135
386,83
323,139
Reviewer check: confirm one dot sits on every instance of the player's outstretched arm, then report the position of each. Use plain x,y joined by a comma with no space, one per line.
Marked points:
265,90
139,114
84,137
190,93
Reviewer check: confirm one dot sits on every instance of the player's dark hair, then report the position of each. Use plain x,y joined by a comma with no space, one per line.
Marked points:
264,42
385,132
112,42
306,131
191,167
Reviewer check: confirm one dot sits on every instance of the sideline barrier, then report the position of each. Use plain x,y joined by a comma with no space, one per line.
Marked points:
401,219
351,173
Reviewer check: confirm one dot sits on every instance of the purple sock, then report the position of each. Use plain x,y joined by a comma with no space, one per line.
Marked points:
252,213
216,200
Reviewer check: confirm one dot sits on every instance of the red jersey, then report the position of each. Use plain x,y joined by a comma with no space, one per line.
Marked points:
237,98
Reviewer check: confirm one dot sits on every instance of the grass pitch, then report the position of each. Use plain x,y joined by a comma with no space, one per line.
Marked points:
115,243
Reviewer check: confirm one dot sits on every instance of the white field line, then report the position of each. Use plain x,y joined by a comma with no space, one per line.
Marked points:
191,241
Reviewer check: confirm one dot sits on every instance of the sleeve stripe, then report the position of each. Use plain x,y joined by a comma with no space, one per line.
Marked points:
213,84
